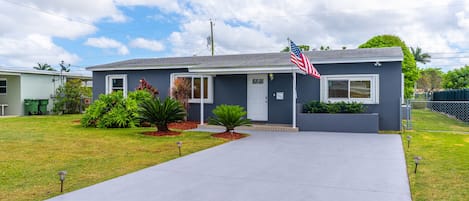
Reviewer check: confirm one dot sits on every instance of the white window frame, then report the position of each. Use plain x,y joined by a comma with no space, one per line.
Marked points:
209,98
6,86
374,88
109,86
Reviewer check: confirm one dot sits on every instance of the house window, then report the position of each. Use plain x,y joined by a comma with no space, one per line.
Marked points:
350,88
3,86
116,83
195,82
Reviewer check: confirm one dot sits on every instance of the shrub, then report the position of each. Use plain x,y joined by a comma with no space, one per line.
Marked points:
68,97
315,107
161,113
229,116
338,107
115,111
181,91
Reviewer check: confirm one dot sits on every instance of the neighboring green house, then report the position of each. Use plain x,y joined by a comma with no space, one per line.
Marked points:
18,84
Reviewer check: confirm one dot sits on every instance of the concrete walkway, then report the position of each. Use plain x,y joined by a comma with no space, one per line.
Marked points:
271,166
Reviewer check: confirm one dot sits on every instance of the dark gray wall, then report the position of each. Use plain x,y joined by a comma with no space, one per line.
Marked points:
227,89
157,78
389,88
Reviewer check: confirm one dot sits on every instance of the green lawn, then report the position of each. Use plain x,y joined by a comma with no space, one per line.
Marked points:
444,145
34,149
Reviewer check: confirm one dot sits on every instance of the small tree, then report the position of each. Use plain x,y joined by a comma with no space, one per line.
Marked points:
68,97
161,113
229,116
181,91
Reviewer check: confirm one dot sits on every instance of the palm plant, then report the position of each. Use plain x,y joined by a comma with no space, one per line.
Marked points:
229,116
419,56
44,66
161,113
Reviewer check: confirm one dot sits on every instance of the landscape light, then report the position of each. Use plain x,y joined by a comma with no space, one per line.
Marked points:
408,141
62,179
417,161
179,143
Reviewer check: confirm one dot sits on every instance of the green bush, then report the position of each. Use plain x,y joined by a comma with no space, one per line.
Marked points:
161,113
315,107
114,111
229,116
338,107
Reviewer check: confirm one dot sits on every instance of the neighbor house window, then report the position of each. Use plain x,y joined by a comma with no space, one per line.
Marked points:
350,88
195,82
3,86
116,83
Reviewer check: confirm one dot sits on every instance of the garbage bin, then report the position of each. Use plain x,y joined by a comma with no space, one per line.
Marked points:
30,106
43,106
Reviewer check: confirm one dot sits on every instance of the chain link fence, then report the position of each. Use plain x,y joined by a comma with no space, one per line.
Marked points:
452,109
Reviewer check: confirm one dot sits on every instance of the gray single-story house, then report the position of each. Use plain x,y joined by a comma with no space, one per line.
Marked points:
264,83
18,84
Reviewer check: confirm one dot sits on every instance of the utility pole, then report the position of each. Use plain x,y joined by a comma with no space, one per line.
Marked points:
211,36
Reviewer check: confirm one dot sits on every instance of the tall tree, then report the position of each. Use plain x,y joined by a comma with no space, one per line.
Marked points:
324,48
63,67
430,79
44,66
419,56
457,78
409,66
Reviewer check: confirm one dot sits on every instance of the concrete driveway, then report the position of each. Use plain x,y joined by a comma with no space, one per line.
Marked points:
271,166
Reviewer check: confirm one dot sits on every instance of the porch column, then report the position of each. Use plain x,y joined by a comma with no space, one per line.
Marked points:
294,100
201,100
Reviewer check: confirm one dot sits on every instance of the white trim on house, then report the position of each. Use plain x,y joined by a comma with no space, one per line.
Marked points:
137,68
209,98
110,88
5,87
374,87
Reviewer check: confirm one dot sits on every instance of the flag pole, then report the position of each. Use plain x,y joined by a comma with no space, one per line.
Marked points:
293,91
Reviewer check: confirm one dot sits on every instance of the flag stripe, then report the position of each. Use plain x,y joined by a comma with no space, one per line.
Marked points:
302,61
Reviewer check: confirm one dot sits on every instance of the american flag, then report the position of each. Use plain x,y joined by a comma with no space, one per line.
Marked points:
302,61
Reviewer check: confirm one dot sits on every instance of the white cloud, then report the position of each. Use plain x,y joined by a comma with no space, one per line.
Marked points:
107,43
143,43
165,5
28,51
28,28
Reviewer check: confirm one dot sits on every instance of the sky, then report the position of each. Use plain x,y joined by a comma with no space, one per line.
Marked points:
91,32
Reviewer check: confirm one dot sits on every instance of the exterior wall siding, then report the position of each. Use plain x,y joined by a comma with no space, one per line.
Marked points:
157,78
227,89
13,97
389,89
38,87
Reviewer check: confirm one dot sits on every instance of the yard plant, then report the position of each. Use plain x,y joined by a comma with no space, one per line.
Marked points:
31,156
161,113
229,116
338,107
114,110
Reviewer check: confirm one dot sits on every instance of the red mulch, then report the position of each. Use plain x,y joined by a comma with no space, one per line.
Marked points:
229,136
184,125
76,121
162,133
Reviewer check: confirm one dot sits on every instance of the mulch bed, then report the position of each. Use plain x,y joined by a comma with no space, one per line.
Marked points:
229,136
185,125
162,133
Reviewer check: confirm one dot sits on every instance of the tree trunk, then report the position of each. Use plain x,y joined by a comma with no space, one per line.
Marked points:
163,127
